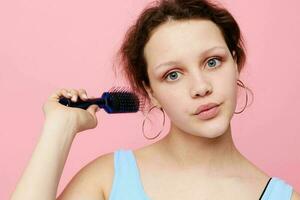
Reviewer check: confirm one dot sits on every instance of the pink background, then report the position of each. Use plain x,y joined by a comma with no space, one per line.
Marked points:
45,45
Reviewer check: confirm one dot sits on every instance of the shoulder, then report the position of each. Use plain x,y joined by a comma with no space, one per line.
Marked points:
295,196
100,170
91,181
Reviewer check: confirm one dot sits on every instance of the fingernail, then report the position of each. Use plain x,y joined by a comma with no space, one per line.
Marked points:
74,98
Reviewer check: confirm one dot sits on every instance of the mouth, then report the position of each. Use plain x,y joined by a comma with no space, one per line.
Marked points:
209,113
205,107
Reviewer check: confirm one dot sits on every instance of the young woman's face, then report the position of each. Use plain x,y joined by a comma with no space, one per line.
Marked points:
199,70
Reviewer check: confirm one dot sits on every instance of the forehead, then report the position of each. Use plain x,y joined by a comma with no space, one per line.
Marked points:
178,38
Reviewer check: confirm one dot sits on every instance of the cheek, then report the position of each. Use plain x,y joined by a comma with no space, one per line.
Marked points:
226,89
229,81
232,89
171,101
167,95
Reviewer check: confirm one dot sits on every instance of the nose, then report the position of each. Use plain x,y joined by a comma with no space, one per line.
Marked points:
200,86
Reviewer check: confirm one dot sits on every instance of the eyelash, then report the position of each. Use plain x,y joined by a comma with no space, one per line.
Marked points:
217,58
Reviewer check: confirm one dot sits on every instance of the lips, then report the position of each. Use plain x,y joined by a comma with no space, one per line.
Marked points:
205,107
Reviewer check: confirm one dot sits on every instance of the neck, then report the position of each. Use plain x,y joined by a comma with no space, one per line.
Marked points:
209,155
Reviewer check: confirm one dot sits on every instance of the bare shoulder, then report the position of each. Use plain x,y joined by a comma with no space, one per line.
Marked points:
91,181
295,195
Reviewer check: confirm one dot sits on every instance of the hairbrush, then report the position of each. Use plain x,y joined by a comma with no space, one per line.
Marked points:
116,100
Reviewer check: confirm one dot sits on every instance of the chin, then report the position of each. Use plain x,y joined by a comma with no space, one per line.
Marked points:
214,135
212,130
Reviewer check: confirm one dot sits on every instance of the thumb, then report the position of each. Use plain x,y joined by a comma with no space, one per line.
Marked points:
93,108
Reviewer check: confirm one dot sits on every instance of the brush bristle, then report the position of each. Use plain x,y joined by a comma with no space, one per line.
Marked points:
122,100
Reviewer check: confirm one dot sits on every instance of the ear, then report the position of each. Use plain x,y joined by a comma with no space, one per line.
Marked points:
237,74
150,93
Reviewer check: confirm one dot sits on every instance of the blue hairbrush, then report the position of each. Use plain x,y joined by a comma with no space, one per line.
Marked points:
116,100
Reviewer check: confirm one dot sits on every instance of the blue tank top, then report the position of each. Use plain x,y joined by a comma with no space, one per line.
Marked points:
127,184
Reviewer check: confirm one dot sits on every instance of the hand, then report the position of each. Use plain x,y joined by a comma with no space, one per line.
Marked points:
80,118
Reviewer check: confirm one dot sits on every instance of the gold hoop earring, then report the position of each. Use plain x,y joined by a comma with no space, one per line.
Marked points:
243,86
151,138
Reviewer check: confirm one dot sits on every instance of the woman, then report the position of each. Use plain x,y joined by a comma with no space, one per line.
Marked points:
185,57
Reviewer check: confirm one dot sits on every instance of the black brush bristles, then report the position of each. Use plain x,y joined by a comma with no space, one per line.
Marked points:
121,100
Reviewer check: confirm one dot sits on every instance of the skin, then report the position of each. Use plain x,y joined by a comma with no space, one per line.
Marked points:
193,82
202,152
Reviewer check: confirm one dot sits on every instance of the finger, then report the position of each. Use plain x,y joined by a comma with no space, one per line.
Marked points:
93,108
82,94
58,93
66,93
74,94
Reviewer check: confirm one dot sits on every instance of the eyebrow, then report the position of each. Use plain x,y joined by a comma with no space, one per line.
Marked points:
204,52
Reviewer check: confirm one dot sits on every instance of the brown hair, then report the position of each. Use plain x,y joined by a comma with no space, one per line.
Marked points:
131,53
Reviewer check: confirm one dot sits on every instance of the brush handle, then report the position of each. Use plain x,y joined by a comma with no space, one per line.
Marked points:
83,104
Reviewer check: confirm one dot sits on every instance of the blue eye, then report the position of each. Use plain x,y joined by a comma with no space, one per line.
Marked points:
212,62
173,75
